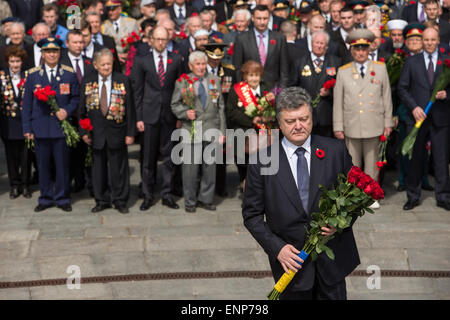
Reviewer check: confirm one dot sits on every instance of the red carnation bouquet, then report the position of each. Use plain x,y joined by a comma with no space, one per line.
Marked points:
328,85
48,96
338,207
86,125
127,41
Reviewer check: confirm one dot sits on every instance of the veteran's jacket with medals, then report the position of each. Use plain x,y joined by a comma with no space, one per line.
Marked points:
37,116
120,120
11,106
307,75
362,107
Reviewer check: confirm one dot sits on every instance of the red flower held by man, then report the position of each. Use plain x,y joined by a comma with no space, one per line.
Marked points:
329,84
86,124
383,138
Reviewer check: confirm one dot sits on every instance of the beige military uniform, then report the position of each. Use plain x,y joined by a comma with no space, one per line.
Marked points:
362,109
126,26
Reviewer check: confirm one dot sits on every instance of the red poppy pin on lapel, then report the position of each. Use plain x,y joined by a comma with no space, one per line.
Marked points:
273,42
320,153
169,61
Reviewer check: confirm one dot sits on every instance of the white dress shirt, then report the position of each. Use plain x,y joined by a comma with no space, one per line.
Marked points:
420,8
290,148
344,35
37,55
74,62
108,84
118,23
156,55
176,9
366,69
48,71
257,91
434,59
15,79
89,50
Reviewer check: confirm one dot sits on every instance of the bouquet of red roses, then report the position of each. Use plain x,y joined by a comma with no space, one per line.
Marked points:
47,95
127,41
188,94
85,124
338,207
328,85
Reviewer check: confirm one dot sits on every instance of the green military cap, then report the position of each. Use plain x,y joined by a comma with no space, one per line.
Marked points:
215,50
413,29
50,43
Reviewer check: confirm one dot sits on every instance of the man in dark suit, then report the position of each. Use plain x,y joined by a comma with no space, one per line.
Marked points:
415,12
17,35
42,124
415,86
179,12
94,19
277,205
310,71
376,53
433,12
187,45
154,78
339,36
265,46
274,21
106,99
29,11
289,30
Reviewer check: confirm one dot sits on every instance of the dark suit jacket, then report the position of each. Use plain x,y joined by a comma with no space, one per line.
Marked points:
224,10
106,131
277,198
342,51
409,13
153,101
88,65
236,117
11,125
29,14
174,15
323,113
276,68
295,53
414,90
37,116
444,31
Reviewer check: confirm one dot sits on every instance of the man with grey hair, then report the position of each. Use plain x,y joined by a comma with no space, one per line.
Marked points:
208,113
241,18
311,71
16,35
277,207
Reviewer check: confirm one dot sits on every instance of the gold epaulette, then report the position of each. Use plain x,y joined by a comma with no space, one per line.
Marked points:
33,70
228,66
345,66
378,62
67,68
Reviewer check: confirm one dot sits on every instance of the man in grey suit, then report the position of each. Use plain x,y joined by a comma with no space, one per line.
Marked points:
207,114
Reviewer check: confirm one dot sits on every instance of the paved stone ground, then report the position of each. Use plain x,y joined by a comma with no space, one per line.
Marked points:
36,246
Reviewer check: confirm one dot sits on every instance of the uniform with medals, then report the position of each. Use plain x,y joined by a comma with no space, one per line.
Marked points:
39,120
112,121
18,156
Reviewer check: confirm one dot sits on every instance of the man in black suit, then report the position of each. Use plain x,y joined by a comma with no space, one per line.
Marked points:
154,77
179,12
265,46
106,99
40,31
187,45
415,86
433,12
339,36
289,30
277,206
310,71
274,21
376,53
89,47
29,11
415,12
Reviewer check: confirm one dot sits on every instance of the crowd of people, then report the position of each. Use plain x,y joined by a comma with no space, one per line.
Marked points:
129,69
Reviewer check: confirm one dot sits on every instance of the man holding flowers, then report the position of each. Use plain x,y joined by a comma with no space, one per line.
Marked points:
277,207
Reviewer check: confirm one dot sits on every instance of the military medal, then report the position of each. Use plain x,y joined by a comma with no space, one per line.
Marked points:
64,88
58,78
306,72
331,71
240,104
318,70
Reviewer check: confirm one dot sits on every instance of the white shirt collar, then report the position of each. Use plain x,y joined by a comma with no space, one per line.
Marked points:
72,57
314,57
118,20
48,69
365,64
257,91
290,148
100,79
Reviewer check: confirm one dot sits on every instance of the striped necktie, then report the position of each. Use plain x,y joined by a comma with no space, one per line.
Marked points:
161,72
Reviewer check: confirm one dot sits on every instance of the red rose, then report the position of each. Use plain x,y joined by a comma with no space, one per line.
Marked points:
231,49
169,61
379,164
354,174
329,84
213,82
234,27
364,180
113,51
383,138
195,79
30,32
382,60
372,73
85,124
442,50
21,83
377,193
320,153
383,40
275,26
87,62
273,42
439,62
370,188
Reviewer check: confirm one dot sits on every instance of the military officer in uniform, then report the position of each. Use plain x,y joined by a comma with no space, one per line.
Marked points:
362,103
44,126
118,26
215,53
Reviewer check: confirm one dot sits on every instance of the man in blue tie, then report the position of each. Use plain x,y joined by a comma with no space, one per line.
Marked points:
277,206
207,114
